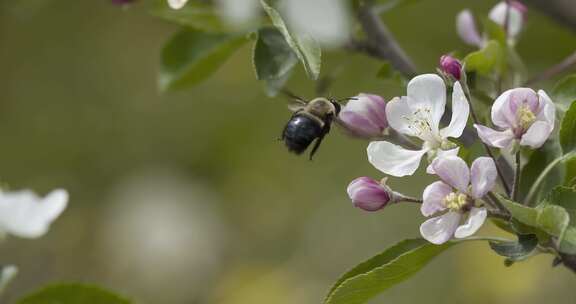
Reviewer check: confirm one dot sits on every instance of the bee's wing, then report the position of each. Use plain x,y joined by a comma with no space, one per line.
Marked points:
296,105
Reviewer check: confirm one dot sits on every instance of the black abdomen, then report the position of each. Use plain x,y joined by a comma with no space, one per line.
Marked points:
300,132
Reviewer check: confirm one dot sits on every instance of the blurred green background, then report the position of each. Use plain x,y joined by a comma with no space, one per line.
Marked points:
188,197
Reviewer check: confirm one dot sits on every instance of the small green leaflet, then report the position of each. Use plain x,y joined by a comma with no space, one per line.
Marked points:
487,60
568,129
72,294
191,56
564,92
306,48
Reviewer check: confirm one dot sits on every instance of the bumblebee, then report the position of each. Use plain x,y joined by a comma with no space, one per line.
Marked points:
310,121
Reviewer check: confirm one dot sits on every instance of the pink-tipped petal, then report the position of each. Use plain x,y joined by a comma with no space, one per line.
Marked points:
547,108
439,230
475,219
537,134
442,153
482,176
502,115
466,28
393,159
498,139
453,171
433,197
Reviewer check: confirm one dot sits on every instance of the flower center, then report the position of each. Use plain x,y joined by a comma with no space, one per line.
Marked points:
525,117
455,201
419,123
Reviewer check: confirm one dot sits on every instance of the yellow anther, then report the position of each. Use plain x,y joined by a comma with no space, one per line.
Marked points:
455,201
525,117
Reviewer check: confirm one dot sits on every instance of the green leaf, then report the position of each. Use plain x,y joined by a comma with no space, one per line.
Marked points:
568,129
194,14
564,197
191,56
564,92
526,215
306,48
538,160
394,265
553,219
387,72
487,60
516,251
72,294
494,31
273,57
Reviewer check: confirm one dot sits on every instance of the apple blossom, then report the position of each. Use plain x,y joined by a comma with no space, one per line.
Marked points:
24,214
364,116
457,193
418,114
177,4
522,116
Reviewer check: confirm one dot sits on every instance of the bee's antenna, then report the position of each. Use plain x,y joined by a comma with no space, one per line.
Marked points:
290,94
346,99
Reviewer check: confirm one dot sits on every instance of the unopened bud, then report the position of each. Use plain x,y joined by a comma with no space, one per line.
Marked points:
369,194
364,116
451,66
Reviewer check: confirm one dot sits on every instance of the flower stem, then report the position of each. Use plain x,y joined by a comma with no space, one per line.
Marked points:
543,175
516,184
486,147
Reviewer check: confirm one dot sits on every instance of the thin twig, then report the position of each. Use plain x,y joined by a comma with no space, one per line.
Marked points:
486,148
381,42
566,64
516,183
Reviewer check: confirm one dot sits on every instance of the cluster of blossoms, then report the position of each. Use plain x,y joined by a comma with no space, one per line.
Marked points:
522,116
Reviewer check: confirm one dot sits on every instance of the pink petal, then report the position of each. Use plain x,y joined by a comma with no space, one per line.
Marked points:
453,171
537,134
502,115
473,223
460,111
442,153
498,139
439,230
483,176
466,28
428,92
433,197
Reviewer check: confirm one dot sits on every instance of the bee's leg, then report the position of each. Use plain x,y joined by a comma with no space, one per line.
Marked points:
325,130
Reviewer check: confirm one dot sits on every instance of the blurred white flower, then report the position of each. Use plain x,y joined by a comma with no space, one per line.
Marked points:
25,214
7,274
325,20
162,232
238,12
177,4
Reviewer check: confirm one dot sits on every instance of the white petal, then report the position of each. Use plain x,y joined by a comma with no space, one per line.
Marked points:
515,18
442,153
177,4
547,109
433,197
482,176
428,91
475,220
24,214
238,12
498,139
393,159
397,110
537,134
466,28
325,20
440,229
502,115
460,111
453,171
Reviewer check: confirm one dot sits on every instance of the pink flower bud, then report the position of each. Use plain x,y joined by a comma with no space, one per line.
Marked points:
368,194
364,116
451,66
